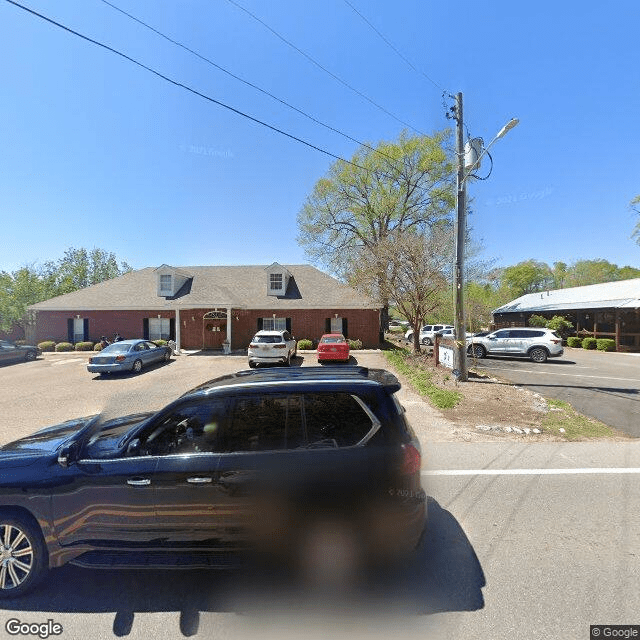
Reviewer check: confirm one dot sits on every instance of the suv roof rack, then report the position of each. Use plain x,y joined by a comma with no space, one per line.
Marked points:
381,376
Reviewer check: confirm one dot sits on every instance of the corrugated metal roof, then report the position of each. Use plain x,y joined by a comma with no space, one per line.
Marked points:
622,294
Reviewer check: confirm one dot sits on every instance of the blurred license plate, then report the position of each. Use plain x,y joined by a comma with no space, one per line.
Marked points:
333,349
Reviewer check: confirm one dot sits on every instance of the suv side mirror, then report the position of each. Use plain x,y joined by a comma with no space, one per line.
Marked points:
67,455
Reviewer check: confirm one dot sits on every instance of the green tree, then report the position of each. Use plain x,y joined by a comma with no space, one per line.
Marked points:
584,272
405,186
561,325
537,321
527,277
635,206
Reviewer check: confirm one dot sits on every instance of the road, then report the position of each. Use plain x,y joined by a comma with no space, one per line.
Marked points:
605,386
527,540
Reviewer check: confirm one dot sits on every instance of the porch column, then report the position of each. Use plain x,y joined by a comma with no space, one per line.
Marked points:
177,330
617,330
229,327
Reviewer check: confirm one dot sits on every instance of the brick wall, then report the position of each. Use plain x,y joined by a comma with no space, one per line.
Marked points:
362,324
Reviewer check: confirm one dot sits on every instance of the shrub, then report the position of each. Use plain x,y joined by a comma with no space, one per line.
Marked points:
355,344
561,325
84,346
574,342
47,345
589,343
605,344
537,321
160,343
305,345
64,346
97,346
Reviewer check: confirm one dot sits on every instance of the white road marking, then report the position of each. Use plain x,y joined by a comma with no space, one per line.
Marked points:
547,372
530,472
67,361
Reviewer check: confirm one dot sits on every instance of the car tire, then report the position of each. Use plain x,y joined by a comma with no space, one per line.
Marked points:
478,351
30,356
137,366
167,356
538,354
21,572
252,364
427,341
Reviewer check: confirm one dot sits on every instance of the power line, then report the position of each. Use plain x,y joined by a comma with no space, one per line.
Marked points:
317,64
390,45
247,82
184,86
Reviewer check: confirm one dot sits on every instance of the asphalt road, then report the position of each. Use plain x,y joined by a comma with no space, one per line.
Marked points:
605,386
527,540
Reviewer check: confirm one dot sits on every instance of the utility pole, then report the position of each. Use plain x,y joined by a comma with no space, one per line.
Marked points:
460,352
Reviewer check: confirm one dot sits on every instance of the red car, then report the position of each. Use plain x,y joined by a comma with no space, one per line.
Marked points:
333,346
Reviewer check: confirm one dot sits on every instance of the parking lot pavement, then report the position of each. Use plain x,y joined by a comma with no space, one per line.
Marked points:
605,386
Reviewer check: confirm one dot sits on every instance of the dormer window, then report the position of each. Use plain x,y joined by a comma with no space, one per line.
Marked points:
275,281
165,284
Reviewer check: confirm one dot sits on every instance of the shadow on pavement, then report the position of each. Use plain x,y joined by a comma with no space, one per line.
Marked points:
443,575
130,374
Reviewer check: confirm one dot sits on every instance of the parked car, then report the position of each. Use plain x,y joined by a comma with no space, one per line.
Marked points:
252,460
128,355
272,347
333,346
536,344
10,352
445,333
427,332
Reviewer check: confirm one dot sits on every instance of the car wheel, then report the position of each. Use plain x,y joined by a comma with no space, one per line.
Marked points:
30,356
252,364
23,555
167,356
538,354
426,341
478,351
137,366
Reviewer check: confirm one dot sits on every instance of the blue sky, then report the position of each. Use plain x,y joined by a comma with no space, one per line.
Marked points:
97,152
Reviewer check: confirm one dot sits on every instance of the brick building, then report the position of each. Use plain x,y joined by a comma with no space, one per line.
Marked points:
202,307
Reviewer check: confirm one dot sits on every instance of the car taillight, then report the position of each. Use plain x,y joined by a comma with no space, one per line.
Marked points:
411,460
120,358
556,341
90,360
252,345
279,346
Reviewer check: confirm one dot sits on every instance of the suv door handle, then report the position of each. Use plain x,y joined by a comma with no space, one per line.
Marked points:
139,482
199,480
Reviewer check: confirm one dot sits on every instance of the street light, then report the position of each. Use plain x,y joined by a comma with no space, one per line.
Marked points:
460,352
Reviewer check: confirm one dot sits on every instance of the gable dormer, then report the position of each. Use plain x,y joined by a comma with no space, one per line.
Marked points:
277,279
169,280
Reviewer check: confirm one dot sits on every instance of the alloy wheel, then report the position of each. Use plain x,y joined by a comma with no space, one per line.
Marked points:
16,557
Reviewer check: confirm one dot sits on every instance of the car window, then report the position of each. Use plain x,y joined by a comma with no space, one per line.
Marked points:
501,334
335,420
141,346
151,345
437,327
117,347
286,335
265,423
332,339
191,429
267,339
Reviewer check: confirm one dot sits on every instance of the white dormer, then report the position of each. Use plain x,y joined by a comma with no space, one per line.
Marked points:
277,279
169,280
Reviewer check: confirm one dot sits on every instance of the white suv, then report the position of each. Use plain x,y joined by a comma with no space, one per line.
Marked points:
536,344
272,346
427,332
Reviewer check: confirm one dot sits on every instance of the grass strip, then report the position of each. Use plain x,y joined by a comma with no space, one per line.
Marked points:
421,380
575,425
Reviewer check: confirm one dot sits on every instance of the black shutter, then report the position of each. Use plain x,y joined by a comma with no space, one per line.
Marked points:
85,330
260,324
345,328
69,329
172,328
289,325
327,325
145,328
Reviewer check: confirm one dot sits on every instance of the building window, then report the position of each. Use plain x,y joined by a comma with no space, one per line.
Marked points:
165,284
274,324
275,281
78,329
159,328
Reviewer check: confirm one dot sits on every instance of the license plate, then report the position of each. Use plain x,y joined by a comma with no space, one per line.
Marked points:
333,349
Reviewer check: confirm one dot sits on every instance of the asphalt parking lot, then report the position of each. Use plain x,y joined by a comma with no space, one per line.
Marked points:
605,386
527,540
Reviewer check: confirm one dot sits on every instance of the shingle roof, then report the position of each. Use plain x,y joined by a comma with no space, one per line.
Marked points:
622,294
236,286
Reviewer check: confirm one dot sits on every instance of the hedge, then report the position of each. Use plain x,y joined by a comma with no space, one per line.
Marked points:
47,345
64,346
355,344
84,346
537,321
589,343
605,344
305,345
160,343
574,342
97,346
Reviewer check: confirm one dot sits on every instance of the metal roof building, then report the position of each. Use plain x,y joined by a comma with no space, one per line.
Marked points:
606,310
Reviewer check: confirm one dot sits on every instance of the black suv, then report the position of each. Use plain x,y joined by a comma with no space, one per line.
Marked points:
254,461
